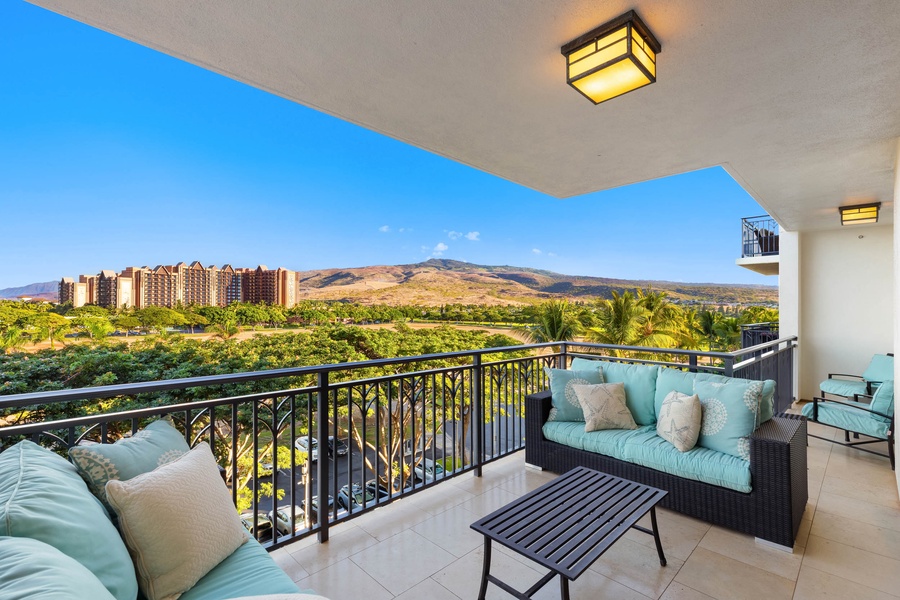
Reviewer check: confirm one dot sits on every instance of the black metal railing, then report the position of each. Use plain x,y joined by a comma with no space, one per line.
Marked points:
759,236
754,334
404,424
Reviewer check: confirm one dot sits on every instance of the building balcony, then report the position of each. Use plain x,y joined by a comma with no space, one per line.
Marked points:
759,245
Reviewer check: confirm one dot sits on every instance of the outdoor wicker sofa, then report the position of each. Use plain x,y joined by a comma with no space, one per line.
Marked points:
771,510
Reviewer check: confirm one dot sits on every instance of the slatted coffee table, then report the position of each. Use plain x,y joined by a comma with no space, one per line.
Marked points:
567,524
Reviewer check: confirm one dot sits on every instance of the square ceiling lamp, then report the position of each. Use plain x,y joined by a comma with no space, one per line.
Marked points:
860,214
613,59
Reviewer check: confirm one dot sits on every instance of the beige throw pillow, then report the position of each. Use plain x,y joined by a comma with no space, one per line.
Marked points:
604,406
680,419
178,522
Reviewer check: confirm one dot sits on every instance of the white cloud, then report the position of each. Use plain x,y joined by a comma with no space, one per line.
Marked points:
440,249
553,254
402,229
384,228
454,235
473,236
536,251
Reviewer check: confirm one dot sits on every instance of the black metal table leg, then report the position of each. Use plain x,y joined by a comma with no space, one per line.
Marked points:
563,588
659,549
486,569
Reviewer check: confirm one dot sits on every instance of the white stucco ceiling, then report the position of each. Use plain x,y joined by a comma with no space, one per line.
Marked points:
799,100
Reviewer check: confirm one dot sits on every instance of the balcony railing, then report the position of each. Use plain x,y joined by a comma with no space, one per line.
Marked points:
410,423
754,334
759,236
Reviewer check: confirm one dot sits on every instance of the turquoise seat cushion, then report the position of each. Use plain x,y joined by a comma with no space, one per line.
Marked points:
33,570
730,414
880,369
586,364
883,398
668,380
842,387
766,405
843,415
155,445
565,403
43,497
640,388
647,449
607,442
249,571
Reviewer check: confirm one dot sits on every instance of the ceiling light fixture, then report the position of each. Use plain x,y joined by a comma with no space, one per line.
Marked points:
613,59
860,214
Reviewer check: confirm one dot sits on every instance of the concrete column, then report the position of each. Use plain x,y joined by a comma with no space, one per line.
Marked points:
789,295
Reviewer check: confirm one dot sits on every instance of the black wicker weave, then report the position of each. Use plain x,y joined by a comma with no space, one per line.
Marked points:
771,511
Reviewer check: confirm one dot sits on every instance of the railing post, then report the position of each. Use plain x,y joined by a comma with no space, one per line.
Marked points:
692,363
562,360
478,426
322,486
729,366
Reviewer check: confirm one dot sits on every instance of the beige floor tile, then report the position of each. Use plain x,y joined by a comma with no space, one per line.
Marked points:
821,431
725,578
817,454
526,481
344,541
854,564
344,579
814,480
450,530
679,534
853,465
428,589
810,511
288,564
879,540
489,501
463,577
744,548
860,510
402,561
637,566
803,534
590,586
385,522
439,498
818,585
877,492
679,591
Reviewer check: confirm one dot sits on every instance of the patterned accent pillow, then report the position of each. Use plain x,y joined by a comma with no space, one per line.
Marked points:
565,404
680,419
604,406
157,444
178,522
730,414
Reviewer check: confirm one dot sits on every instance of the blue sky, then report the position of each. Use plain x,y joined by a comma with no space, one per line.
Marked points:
112,155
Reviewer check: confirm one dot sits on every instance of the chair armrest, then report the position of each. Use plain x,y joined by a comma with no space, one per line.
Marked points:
538,404
833,375
537,410
816,401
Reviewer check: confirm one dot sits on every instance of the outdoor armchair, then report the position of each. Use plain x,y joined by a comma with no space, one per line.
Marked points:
881,368
873,418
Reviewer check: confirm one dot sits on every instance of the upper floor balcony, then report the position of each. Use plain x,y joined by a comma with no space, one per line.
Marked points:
759,245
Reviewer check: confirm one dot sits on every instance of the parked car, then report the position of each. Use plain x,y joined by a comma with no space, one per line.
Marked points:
337,446
260,527
282,519
314,507
358,497
427,471
303,444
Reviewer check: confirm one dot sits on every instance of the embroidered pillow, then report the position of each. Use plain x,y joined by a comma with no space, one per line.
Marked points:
565,404
730,414
680,418
604,406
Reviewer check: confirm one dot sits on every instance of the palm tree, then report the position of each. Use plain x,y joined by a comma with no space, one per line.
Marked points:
662,323
620,320
557,321
706,325
728,332
12,339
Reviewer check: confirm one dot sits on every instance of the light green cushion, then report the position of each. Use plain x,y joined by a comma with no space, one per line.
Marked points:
766,405
880,369
43,497
608,442
849,418
883,399
669,380
249,571
565,404
585,364
730,414
157,444
842,387
701,464
33,570
640,388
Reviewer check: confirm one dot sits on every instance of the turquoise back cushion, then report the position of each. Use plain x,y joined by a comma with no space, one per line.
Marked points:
668,380
585,364
565,404
155,445
640,388
31,569
43,497
883,399
766,405
880,369
730,414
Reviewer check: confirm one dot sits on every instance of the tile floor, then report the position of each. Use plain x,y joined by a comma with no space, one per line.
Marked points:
422,547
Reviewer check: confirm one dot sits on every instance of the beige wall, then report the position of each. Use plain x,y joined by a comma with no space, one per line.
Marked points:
846,301
897,287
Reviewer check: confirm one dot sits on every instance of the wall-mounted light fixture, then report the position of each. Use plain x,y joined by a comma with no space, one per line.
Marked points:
613,59
860,214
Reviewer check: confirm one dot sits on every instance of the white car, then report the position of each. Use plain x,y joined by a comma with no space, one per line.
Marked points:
428,470
302,445
282,519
